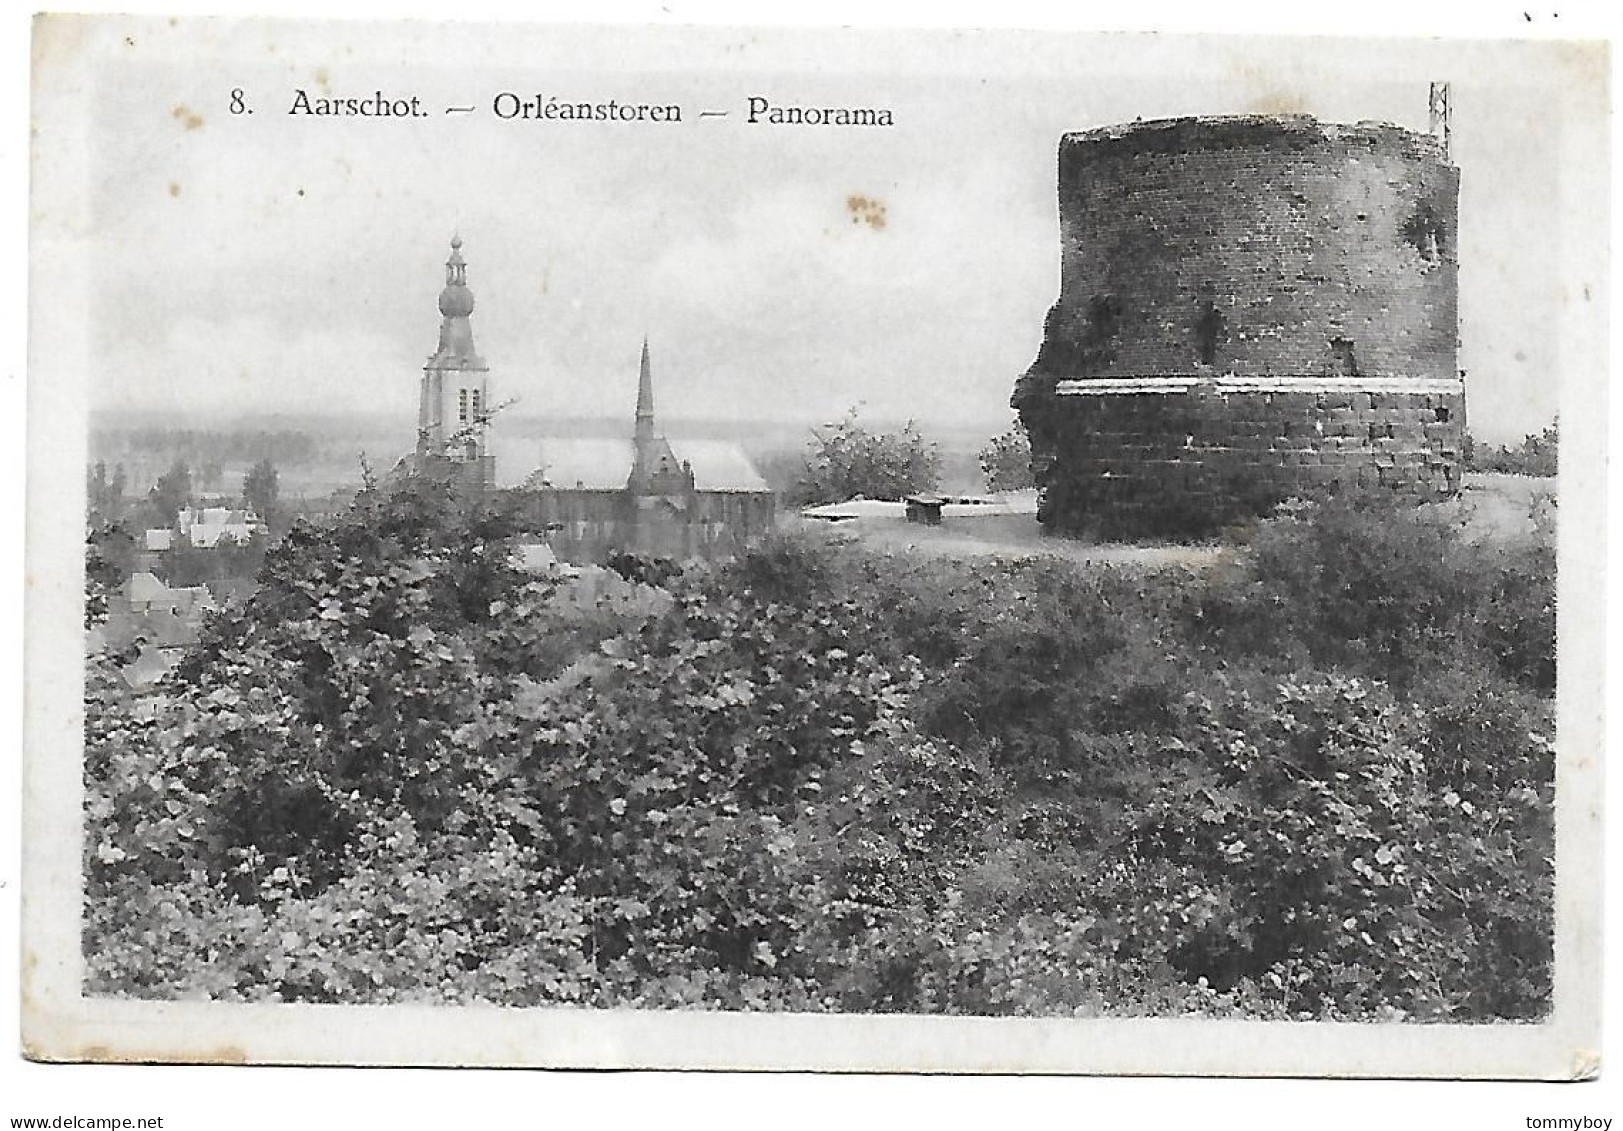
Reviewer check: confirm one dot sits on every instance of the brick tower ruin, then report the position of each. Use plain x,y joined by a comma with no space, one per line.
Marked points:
1250,309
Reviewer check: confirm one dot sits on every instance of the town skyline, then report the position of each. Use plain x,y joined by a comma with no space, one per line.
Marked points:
783,274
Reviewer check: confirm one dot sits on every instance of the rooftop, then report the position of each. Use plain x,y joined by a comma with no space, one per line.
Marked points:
605,464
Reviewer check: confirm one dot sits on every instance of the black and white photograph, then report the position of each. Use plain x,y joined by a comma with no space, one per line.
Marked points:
814,549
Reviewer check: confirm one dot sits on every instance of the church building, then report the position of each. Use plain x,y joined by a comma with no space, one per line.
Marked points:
453,404
639,493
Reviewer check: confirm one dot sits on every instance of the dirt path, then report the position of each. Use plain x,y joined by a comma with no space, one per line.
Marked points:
1491,506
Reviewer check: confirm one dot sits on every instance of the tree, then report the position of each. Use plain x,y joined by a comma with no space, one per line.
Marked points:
845,459
109,560
1006,460
96,492
1535,455
104,498
172,492
259,490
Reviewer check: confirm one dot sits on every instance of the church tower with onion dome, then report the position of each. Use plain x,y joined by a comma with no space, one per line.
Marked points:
454,407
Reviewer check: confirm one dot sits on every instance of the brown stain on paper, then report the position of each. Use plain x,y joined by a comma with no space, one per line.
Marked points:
103,1054
1587,64
1264,94
187,117
866,210
1276,102
57,39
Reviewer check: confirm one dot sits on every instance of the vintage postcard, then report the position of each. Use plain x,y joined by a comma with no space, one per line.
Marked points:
812,549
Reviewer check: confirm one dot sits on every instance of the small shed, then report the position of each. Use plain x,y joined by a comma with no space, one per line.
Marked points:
925,509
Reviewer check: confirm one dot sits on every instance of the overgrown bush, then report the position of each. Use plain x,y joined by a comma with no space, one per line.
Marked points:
1390,591
1535,455
1006,461
1297,843
1318,783
847,459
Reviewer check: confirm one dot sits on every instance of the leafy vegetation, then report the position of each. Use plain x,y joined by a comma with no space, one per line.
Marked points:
1006,461
261,493
1316,783
1535,455
172,492
104,494
847,459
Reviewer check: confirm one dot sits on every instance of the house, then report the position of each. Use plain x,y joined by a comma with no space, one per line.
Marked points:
224,590
204,528
149,666
145,593
538,558
208,527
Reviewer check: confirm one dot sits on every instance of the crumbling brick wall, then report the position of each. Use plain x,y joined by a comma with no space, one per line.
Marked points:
1167,464
1250,308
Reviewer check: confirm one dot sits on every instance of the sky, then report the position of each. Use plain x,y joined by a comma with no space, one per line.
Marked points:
267,262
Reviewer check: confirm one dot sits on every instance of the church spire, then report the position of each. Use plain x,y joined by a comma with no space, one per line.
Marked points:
655,469
645,398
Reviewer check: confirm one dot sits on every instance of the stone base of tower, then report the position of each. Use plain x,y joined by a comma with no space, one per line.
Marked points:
1174,457
474,476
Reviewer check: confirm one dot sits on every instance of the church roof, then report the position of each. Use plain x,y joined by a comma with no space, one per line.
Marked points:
719,466
605,464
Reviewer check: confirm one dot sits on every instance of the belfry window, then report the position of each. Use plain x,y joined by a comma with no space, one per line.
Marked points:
462,405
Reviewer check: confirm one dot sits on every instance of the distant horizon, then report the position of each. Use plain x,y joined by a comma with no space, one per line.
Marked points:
376,421
380,420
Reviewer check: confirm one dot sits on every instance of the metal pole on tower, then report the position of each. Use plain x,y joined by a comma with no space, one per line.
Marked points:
1442,115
